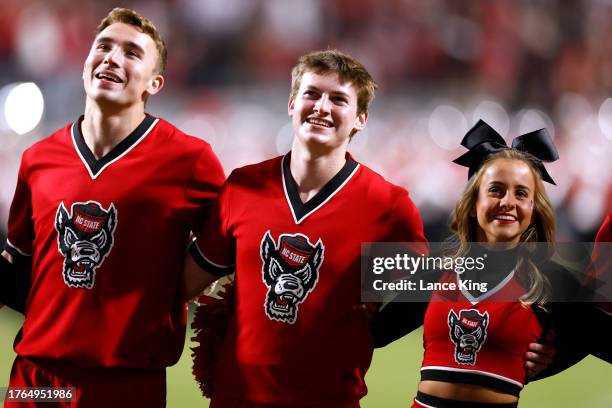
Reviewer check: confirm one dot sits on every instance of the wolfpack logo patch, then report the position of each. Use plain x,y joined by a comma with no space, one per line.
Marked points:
468,331
290,271
85,238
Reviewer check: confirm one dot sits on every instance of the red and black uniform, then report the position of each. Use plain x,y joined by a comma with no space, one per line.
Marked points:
296,337
471,340
106,240
480,338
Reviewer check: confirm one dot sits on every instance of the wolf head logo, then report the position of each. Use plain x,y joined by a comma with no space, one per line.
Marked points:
468,331
290,271
85,238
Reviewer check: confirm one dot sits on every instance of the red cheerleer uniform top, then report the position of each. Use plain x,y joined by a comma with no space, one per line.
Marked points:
479,340
106,239
295,336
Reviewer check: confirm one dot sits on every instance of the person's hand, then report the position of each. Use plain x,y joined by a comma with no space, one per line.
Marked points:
539,355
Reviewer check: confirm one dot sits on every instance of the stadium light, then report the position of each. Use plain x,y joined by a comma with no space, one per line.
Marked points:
23,108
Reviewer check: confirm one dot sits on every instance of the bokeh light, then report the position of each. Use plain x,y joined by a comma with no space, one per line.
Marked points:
447,125
605,118
23,108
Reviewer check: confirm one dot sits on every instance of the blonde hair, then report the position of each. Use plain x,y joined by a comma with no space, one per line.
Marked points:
347,68
131,17
464,227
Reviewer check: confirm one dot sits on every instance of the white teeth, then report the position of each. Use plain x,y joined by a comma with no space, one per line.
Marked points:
109,77
319,122
505,217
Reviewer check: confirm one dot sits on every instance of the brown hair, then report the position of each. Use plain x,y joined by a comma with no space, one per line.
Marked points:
349,70
127,16
542,229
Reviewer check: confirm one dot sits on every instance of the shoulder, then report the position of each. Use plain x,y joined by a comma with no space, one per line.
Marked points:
391,201
60,139
165,130
193,151
261,171
391,204
380,189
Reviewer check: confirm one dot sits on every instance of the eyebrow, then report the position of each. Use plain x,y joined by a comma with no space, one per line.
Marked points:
336,93
129,44
494,182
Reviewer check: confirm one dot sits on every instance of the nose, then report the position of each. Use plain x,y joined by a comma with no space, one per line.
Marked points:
111,57
322,104
508,200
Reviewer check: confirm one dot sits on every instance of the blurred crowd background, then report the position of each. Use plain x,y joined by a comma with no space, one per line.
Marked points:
440,66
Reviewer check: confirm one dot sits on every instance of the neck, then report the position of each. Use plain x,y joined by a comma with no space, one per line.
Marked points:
103,128
499,246
311,170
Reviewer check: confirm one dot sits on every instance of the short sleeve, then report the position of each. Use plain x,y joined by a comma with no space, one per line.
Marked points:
203,186
406,224
214,246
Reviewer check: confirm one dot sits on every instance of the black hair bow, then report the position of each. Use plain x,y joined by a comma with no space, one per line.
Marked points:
482,140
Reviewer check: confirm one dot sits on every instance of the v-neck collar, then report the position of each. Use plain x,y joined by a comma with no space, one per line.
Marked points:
301,210
96,166
477,299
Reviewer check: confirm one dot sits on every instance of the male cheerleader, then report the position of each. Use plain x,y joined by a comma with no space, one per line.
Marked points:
292,229
103,210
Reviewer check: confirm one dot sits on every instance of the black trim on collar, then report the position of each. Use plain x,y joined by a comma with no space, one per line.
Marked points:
302,210
96,166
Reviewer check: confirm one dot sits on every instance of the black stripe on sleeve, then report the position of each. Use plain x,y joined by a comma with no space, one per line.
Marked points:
208,265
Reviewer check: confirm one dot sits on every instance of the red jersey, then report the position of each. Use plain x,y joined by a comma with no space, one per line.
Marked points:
295,336
478,341
106,239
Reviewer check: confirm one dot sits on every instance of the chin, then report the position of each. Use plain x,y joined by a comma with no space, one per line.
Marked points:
507,238
314,139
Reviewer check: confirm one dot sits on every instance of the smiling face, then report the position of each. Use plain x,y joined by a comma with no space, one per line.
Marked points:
505,204
121,67
324,111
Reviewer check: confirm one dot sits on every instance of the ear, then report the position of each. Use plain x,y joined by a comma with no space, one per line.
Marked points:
291,105
473,212
267,246
452,318
156,83
61,217
360,121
